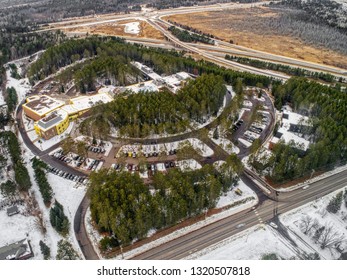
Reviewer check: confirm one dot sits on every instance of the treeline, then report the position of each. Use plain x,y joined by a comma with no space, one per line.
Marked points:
294,71
185,36
162,61
21,173
147,113
327,109
11,99
123,206
166,4
41,180
189,28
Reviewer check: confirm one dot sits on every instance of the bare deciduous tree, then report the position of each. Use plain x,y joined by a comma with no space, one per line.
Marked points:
330,237
307,224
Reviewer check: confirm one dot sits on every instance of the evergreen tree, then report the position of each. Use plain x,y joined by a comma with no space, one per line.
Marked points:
66,251
58,219
45,250
335,203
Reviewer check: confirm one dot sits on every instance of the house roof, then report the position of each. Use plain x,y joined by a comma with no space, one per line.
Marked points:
15,250
12,210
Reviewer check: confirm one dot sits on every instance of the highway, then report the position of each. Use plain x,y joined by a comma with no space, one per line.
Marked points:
265,211
211,53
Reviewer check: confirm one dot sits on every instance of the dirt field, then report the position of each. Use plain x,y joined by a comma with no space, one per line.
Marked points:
117,29
248,27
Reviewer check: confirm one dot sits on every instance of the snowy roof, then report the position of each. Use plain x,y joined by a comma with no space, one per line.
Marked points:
43,104
146,86
15,251
289,117
287,136
148,71
86,102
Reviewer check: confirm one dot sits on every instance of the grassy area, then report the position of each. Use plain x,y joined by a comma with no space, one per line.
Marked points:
253,28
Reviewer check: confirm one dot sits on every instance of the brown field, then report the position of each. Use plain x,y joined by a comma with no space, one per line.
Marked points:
117,29
245,27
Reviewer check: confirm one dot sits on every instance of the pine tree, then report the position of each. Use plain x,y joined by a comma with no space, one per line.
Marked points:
45,250
66,251
335,203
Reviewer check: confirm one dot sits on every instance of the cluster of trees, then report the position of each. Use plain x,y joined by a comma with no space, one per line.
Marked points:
146,113
21,173
8,189
11,100
189,28
58,219
45,250
66,251
327,131
294,71
335,203
186,36
41,180
123,206
325,235
115,71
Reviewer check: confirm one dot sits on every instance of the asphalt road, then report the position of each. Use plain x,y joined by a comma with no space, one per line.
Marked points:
265,211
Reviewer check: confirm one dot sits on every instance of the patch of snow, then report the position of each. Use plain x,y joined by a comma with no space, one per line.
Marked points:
132,28
231,196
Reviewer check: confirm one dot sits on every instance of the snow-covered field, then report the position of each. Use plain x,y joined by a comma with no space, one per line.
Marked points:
251,244
316,211
132,28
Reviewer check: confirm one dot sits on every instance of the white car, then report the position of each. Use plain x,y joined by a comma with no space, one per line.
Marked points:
240,225
273,225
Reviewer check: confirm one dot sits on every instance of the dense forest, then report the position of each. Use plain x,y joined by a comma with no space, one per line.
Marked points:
326,12
327,109
185,36
147,113
160,60
293,71
123,206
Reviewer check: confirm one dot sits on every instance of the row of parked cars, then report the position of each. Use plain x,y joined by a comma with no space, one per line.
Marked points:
78,160
237,125
94,164
67,175
97,150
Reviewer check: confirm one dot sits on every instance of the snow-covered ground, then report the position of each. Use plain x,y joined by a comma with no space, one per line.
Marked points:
224,143
189,164
22,86
251,244
132,28
19,226
232,197
316,210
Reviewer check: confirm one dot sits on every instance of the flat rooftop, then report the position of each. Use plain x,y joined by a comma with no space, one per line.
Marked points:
43,104
148,86
86,102
52,119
